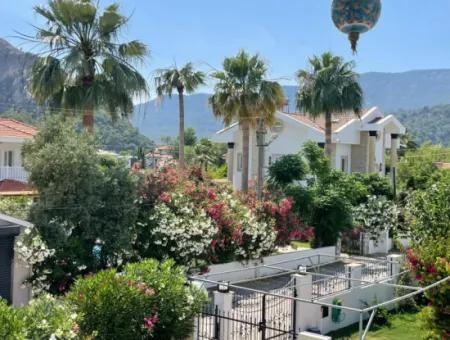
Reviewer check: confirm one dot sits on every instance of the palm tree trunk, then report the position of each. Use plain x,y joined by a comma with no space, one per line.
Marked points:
245,155
88,119
328,132
181,127
260,143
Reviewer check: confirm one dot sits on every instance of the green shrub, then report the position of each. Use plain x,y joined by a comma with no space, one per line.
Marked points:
12,326
375,184
148,300
17,207
416,167
381,317
218,172
47,316
43,318
286,169
86,203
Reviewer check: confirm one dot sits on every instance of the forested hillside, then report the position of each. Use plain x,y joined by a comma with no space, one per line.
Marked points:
428,123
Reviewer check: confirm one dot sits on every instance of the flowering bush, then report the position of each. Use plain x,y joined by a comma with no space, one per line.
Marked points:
12,326
33,251
178,229
287,223
194,221
148,300
44,317
430,262
376,216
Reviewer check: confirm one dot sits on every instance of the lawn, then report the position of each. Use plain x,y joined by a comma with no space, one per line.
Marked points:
404,326
300,244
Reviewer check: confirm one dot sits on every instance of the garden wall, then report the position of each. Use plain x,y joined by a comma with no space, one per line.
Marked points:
238,271
357,298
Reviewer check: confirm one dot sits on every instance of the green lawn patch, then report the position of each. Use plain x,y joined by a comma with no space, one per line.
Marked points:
300,244
404,326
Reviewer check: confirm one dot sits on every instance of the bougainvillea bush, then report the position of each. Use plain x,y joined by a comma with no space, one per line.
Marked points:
187,217
428,215
430,262
147,300
288,226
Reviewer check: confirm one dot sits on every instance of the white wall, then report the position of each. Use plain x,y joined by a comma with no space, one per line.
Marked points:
354,298
237,271
21,293
343,150
382,245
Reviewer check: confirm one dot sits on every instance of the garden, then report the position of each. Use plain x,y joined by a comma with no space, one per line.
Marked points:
115,256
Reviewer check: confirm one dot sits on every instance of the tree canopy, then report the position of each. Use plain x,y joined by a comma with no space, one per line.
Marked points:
329,87
84,65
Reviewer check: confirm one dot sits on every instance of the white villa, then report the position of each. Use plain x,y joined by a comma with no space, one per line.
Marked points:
359,144
12,136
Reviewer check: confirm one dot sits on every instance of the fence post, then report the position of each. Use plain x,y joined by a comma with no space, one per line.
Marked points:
216,323
262,324
395,263
294,310
305,313
224,305
354,272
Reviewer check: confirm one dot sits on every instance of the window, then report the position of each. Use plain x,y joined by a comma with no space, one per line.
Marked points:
8,158
344,163
239,161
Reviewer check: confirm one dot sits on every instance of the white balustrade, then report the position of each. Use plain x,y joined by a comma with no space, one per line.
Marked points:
17,173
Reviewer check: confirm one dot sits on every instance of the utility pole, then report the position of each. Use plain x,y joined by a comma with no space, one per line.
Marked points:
260,143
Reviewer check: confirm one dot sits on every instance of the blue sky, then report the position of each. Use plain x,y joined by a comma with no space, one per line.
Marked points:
410,34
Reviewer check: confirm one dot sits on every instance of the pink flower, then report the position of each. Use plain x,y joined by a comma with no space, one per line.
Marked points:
149,292
212,194
432,269
165,197
149,322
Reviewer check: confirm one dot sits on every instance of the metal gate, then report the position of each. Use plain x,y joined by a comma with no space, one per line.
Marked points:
253,316
352,242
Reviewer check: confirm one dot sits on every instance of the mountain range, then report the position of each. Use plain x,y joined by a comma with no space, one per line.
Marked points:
410,93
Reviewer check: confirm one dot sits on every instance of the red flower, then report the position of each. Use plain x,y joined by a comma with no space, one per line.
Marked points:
212,194
432,269
149,322
165,197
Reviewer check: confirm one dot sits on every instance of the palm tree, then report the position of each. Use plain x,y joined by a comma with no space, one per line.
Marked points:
330,87
84,66
241,94
184,80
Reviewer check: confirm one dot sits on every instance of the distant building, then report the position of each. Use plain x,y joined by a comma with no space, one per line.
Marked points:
359,144
161,155
13,134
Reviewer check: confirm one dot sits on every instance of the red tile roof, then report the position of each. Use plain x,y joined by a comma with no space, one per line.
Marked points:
8,185
14,128
338,121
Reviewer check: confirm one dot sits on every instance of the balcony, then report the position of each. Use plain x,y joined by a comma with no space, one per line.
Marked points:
17,173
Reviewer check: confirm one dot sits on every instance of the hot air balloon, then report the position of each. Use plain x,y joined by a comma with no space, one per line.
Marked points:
354,17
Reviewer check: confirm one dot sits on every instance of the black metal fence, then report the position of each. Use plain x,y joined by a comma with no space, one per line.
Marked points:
252,317
352,243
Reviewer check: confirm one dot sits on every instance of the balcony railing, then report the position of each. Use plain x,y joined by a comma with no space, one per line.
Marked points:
17,173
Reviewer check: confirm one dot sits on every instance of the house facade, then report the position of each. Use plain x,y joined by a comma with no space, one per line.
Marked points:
359,144
12,136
